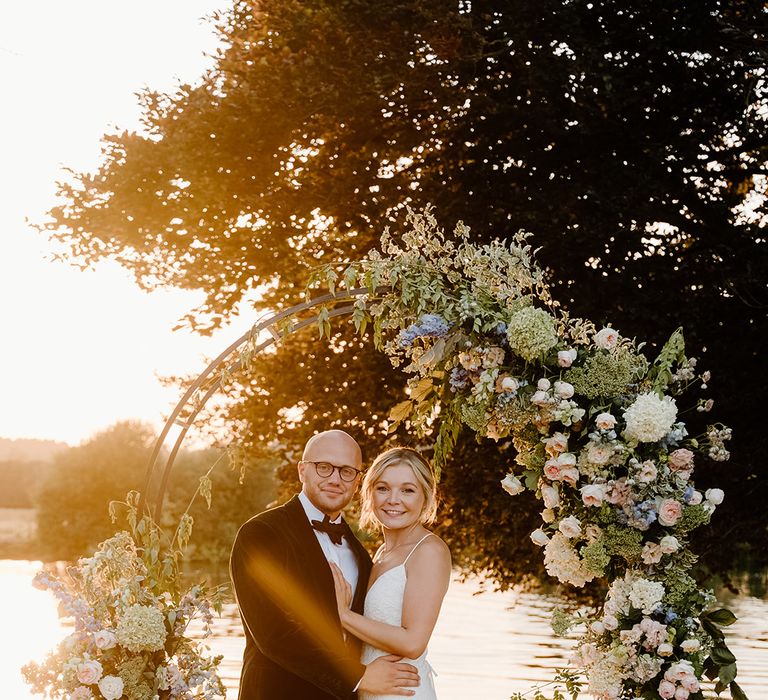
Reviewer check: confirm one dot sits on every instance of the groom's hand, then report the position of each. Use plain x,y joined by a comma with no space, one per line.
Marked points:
387,676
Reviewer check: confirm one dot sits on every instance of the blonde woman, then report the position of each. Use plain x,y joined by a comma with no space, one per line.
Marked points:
411,570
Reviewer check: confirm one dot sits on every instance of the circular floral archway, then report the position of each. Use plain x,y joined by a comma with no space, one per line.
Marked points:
596,430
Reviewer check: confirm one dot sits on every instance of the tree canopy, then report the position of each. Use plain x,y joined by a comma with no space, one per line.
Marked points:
629,137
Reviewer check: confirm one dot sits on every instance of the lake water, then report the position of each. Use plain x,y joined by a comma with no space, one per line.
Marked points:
485,647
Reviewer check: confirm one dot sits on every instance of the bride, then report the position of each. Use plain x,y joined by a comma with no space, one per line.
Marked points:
411,570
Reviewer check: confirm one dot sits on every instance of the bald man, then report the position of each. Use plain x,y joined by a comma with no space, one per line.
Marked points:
295,648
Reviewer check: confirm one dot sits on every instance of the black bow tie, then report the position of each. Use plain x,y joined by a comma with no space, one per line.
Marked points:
335,531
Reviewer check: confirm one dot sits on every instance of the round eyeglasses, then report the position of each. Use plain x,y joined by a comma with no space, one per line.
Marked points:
325,469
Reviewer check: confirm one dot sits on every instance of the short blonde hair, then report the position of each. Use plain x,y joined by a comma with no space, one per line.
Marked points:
425,478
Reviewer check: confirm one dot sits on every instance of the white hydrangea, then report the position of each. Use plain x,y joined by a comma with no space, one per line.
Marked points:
606,677
649,418
142,628
646,595
531,333
563,562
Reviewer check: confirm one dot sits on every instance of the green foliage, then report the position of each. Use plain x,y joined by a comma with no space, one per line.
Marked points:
318,122
673,353
72,506
565,686
623,542
693,517
596,557
607,374
20,482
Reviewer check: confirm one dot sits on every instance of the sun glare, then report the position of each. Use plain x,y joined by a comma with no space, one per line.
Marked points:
35,623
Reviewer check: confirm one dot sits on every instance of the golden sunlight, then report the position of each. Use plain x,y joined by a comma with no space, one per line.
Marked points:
32,617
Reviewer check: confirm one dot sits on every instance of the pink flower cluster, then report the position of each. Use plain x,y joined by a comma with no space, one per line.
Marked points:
679,682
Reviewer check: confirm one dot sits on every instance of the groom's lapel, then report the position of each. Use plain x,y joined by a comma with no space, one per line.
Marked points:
312,553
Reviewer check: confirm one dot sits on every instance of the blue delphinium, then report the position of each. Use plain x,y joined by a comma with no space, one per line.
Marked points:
458,379
429,326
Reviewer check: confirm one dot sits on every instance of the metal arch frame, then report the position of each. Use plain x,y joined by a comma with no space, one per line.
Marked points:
207,384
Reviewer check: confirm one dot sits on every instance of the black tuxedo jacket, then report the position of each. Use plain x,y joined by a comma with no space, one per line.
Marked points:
294,643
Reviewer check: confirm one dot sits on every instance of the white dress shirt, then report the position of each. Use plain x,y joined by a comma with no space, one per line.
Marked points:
340,554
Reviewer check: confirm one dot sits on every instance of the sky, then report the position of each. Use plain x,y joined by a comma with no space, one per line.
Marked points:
82,350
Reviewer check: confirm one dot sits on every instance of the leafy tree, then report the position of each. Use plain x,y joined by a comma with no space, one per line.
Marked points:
231,502
628,136
19,482
72,514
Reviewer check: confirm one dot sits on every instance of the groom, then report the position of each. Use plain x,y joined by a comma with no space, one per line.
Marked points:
295,648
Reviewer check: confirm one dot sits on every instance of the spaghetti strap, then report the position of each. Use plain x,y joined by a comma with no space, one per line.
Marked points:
414,547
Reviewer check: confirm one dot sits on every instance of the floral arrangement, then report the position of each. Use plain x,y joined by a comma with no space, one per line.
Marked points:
597,433
130,618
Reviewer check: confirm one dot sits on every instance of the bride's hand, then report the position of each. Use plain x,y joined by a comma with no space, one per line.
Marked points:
343,590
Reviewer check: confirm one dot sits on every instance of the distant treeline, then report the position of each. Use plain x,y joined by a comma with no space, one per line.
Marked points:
24,467
72,493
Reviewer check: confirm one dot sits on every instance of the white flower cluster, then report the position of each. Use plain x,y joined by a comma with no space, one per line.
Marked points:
563,562
649,418
141,628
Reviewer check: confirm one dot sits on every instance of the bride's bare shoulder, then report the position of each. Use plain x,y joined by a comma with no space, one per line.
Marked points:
433,548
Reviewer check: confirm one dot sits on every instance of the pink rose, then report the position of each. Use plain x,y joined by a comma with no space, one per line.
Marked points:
512,485
610,622
630,637
552,469
570,475
694,499
605,421
104,639
89,672
592,532
680,671
570,526
655,632
592,494
565,358
690,645
550,495
618,492
556,444
539,537
667,690
681,694
567,460
506,383
647,472
599,453
669,544
564,390
541,398
670,511
651,553
606,338
691,684
681,460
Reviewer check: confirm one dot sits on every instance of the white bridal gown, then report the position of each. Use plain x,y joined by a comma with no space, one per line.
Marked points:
384,603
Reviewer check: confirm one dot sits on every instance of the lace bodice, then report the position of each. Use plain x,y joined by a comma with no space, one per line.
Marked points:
384,603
